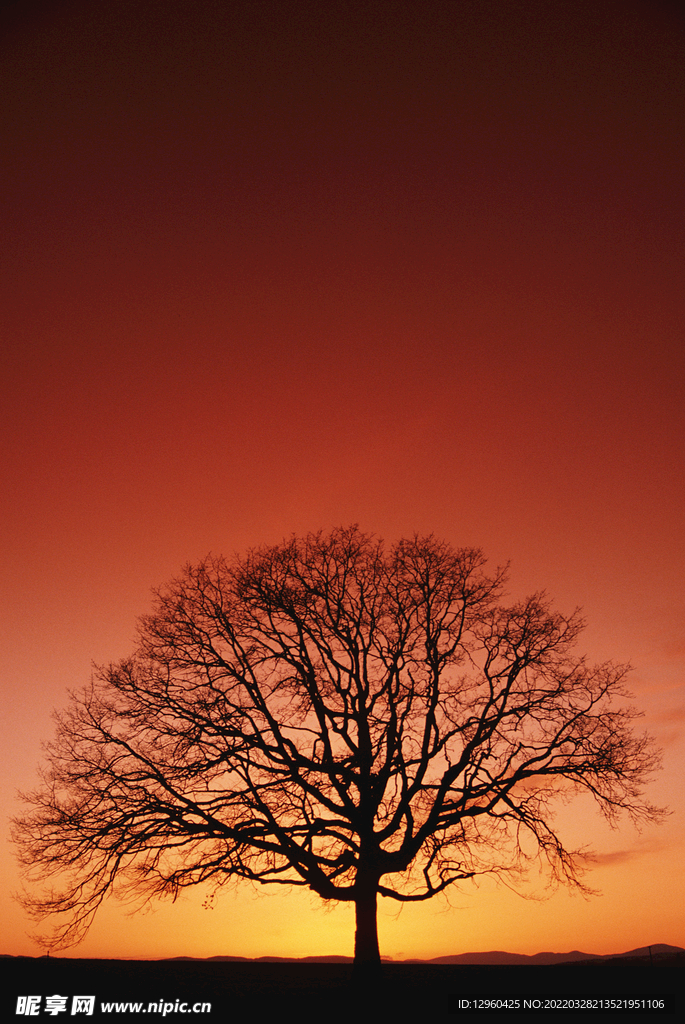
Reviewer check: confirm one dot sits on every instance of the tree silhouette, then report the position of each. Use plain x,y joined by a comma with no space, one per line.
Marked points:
327,714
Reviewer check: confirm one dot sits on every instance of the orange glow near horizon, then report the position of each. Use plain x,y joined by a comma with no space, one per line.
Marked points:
266,275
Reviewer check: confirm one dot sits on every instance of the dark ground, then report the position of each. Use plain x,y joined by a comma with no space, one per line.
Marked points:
409,991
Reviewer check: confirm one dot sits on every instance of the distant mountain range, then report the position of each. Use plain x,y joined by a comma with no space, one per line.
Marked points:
656,953
659,951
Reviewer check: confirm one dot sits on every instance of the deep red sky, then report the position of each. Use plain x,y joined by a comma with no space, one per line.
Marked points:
274,267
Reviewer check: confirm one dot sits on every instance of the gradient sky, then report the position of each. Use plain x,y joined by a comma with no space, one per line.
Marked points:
275,267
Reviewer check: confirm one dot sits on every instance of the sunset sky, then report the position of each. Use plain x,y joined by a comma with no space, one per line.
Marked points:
273,267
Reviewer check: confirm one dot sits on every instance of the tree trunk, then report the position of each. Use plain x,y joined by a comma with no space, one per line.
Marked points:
367,957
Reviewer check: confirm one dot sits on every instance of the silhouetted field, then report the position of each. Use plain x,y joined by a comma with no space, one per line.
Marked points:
163,987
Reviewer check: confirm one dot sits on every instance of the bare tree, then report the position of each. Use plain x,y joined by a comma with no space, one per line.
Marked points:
331,715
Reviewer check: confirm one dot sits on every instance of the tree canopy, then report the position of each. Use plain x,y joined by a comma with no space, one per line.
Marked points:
330,714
